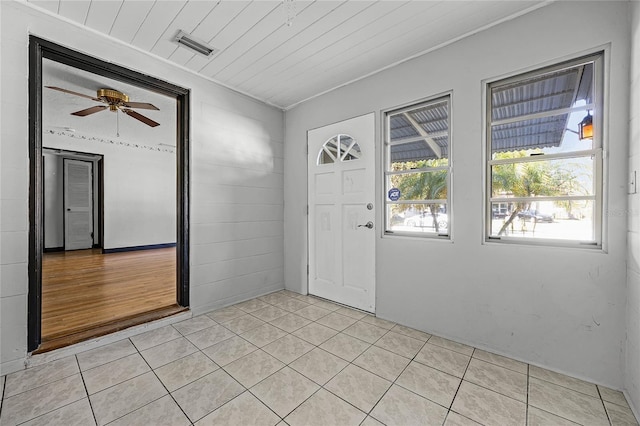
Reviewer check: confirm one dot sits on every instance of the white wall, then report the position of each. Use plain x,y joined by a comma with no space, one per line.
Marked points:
139,190
53,201
632,373
236,177
559,308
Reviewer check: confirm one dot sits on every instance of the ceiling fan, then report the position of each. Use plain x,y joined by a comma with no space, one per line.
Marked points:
115,101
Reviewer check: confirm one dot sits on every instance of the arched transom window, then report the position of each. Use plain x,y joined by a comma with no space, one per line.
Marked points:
339,148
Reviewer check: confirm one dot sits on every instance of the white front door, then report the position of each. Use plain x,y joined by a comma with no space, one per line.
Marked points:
78,204
341,188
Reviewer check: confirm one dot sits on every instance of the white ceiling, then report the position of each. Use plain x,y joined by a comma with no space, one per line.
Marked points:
329,44
57,108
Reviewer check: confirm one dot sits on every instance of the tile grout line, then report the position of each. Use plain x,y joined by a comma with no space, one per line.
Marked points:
46,384
93,413
145,361
39,385
341,370
398,376
137,352
161,382
498,365
571,389
4,385
526,412
288,365
102,347
486,388
460,384
62,406
285,365
265,404
261,401
606,412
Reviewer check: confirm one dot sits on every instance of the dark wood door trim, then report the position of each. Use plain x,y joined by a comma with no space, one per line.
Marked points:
39,49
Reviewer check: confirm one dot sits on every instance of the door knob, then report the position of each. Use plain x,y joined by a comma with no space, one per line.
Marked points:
367,225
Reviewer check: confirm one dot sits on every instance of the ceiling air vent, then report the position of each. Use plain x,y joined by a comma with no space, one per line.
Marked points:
196,45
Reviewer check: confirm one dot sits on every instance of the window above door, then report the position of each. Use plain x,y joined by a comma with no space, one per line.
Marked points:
339,148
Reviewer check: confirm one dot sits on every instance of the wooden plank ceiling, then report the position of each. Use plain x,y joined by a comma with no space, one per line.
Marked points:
328,44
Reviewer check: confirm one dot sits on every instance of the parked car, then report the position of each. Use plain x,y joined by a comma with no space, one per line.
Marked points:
397,219
425,219
499,213
536,215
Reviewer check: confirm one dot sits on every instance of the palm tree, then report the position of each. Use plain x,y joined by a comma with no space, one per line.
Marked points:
528,179
423,185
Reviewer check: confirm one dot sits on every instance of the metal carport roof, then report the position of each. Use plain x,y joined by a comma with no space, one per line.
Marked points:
422,133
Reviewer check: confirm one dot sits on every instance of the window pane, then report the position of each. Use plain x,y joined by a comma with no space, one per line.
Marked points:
420,134
349,149
329,151
425,218
420,185
417,143
551,178
560,220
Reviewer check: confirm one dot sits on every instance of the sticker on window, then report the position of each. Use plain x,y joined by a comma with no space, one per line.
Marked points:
394,194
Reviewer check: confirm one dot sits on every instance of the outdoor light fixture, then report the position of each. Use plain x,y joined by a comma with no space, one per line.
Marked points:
585,128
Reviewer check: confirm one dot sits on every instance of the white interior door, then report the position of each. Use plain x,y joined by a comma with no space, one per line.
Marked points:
78,204
341,188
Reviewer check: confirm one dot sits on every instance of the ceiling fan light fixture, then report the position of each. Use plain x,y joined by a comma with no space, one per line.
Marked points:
198,46
112,96
115,101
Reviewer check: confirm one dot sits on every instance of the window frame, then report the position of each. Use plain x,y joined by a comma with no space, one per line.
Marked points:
386,173
597,153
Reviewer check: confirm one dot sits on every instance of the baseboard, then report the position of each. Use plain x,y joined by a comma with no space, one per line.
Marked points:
136,248
52,249
13,366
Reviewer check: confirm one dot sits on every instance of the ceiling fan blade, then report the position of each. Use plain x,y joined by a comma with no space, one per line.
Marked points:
141,105
71,92
91,110
140,117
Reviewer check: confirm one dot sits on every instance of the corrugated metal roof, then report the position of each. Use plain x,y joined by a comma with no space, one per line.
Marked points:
548,92
433,119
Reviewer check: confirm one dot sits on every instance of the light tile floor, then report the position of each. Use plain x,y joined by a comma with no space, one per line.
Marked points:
289,359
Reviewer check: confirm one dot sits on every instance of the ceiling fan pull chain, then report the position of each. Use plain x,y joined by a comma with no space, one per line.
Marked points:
117,124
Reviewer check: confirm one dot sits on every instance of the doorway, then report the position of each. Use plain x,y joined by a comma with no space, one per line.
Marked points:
78,204
341,185
90,226
73,210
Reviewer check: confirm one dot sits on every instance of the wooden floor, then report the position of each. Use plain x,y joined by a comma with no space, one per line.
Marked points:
86,290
